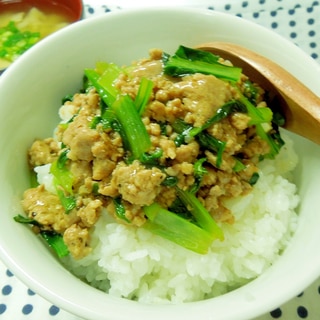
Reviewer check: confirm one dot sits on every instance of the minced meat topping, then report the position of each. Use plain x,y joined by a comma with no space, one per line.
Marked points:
102,176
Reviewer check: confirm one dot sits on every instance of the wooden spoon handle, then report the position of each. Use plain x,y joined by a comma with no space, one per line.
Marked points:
300,105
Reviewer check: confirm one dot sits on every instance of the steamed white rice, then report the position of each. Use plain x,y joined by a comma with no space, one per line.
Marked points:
133,263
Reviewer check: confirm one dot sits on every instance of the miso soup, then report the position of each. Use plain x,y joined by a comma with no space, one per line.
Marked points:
35,21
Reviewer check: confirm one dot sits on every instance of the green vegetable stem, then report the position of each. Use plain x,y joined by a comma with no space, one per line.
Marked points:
177,229
63,181
188,61
53,239
122,109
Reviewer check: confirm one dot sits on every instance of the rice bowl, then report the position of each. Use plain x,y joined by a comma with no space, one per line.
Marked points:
161,272
110,248
249,300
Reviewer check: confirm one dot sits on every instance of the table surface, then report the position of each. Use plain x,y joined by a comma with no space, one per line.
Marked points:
296,20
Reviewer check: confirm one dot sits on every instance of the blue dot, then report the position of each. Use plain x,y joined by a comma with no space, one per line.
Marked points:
27,309
300,294
227,7
302,312
291,11
262,1
9,273
244,4
53,310
311,33
3,308
311,21
314,55
310,9
273,13
274,25
6,290
90,10
106,9
275,314
211,8
255,14
30,292
292,23
293,35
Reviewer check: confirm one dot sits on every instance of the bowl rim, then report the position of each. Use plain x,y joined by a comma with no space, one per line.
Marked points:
193,309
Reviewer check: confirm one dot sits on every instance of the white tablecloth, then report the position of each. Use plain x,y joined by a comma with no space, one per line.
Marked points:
297,20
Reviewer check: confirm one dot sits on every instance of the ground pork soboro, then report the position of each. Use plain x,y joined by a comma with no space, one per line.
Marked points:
104,176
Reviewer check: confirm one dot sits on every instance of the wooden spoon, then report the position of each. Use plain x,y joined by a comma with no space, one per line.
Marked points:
300,106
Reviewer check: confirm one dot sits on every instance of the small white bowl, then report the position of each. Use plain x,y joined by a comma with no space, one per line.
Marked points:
30,94
72,10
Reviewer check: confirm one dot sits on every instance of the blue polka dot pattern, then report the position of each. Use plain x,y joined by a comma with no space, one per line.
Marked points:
302,312
3,308
296,20
30,292
27,309
9,273
276,314
6,290
287,14
53,310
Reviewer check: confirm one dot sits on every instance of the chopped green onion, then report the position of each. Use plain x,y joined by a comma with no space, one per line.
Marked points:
14,42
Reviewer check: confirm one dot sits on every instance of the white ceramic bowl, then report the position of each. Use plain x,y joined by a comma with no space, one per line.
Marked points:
30,93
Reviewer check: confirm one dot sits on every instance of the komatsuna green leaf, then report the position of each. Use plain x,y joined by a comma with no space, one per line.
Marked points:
188,61
177,229
55,241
